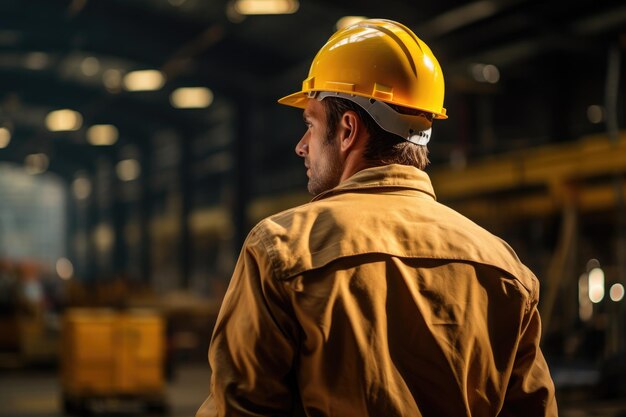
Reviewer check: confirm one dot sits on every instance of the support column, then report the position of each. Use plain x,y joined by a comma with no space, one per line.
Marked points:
145,214
186,190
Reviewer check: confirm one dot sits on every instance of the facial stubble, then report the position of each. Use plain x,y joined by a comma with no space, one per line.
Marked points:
326,174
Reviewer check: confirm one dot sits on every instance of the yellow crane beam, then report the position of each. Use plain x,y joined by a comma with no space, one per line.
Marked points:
589,157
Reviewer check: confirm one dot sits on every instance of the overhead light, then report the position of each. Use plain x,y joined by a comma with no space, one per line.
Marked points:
595,114
90,66
232,14
103,237
128,169
596,285
145,80
64,120
617,292
485,73
102,135
36,163
36,60
191,98
251,7
81,187
346,21
112,79
491,74
5,137
592,263
65,269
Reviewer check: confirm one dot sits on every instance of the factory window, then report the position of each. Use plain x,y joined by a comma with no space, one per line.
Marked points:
32,215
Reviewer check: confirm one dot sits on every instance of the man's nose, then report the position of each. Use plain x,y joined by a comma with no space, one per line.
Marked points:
302,148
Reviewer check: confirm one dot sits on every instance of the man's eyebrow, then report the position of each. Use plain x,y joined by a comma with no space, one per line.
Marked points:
305,116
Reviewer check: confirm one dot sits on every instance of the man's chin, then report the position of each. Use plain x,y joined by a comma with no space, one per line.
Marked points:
313,188
316,188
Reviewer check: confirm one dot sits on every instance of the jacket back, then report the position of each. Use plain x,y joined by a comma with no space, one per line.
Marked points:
384,302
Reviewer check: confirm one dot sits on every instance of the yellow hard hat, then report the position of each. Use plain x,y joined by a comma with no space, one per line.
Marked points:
377,59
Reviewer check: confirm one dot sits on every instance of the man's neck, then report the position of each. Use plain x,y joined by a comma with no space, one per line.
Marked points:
353,164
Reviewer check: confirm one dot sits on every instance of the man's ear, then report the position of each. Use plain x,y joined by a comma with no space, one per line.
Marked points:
351,128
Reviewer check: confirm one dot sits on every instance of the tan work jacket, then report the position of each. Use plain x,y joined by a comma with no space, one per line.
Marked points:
375,300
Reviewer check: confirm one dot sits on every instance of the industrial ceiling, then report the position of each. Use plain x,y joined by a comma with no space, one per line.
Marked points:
551,60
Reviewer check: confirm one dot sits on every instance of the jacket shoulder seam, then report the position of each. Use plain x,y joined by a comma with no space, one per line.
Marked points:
286,275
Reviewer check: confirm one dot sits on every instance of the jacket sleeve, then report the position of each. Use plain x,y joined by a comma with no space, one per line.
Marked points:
531,390
252,347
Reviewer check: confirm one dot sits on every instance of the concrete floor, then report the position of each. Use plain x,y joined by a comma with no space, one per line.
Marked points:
36,394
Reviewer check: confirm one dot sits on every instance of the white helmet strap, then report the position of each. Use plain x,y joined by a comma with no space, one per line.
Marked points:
413,128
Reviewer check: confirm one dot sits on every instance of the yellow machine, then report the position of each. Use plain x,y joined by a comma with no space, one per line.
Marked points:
110,357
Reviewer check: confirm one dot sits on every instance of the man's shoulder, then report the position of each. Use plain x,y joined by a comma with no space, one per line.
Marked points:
312,235
450,233
295,220
284,239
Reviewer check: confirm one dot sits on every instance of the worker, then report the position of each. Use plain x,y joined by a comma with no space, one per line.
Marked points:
374,299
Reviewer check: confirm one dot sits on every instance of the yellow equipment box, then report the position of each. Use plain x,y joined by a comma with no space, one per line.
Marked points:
109,356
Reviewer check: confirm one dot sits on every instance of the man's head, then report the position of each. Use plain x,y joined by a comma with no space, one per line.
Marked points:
342,138
377,87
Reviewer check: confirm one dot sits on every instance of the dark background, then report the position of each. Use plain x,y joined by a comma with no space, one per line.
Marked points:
534,150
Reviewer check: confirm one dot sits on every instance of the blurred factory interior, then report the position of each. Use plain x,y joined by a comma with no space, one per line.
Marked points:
140,140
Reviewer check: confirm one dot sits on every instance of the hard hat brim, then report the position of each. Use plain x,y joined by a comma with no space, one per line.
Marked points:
298,100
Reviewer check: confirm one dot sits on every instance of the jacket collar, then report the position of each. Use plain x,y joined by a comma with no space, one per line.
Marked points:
384,177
